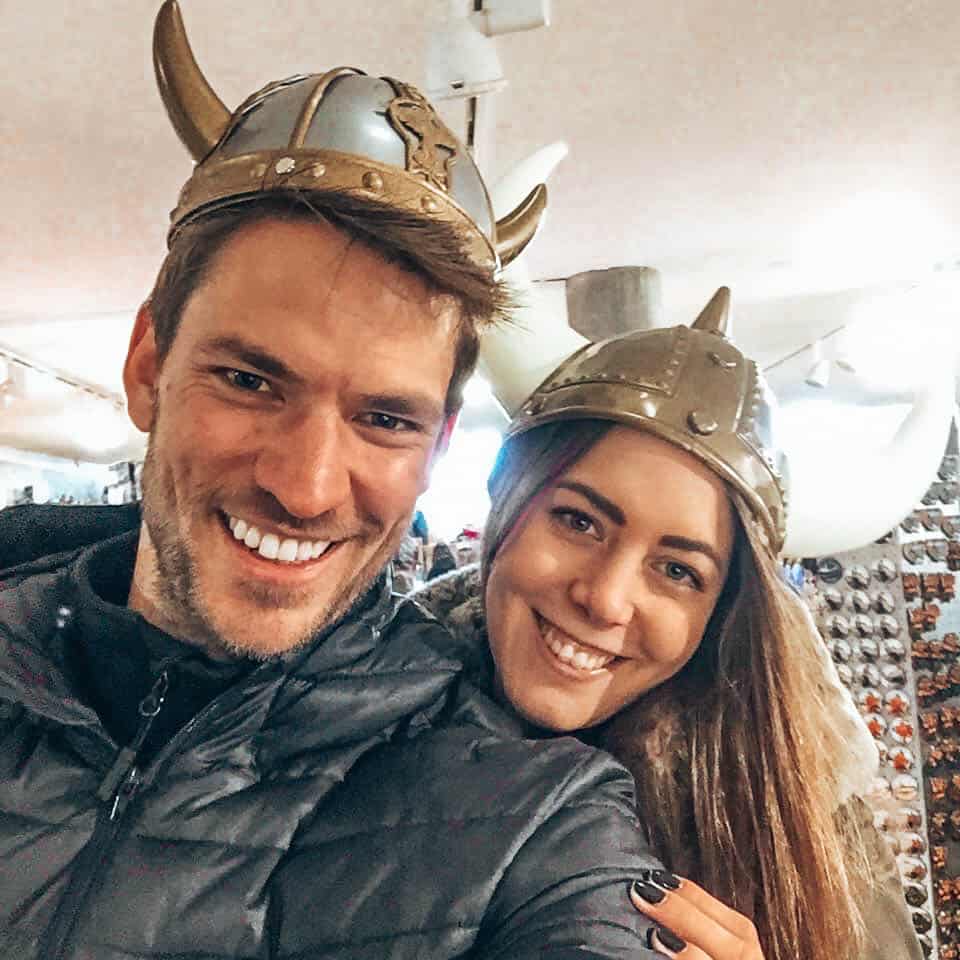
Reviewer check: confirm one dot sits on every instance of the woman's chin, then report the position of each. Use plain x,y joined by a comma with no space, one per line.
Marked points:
557,717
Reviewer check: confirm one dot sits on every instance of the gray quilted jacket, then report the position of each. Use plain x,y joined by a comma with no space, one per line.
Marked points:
357,800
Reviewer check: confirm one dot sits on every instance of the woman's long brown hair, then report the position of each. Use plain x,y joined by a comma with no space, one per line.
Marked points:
734,758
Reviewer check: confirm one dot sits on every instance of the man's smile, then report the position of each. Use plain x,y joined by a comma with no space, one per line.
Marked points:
273,546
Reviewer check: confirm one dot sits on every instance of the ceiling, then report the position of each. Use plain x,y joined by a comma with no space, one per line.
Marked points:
803,152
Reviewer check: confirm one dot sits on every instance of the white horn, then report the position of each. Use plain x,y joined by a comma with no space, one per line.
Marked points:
515,185
851,499
516,357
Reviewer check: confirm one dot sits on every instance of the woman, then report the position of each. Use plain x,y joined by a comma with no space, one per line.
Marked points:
629,590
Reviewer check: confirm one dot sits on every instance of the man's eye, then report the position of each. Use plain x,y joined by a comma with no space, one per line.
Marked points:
248,382
386,421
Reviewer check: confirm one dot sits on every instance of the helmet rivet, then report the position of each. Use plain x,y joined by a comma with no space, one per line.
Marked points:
372,181
702,423
429,204
285,165
258,171
318,170
723,364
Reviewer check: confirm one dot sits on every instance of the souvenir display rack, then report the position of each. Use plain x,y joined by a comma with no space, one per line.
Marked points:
889,616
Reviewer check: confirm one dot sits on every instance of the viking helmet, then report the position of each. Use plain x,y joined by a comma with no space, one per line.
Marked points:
340,131
688,385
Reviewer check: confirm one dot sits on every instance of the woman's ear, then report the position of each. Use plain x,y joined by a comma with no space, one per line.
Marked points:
140,371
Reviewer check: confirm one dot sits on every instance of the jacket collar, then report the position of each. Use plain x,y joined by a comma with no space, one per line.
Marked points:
361,681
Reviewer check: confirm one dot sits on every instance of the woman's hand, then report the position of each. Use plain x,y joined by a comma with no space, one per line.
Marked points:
691,924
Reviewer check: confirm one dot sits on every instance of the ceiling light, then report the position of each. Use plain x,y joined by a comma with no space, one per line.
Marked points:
819,374
844,351
461,61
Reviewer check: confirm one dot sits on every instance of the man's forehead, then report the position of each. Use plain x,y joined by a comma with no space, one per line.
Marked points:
339,270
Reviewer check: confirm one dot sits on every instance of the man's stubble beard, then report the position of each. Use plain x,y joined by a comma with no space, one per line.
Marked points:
175,587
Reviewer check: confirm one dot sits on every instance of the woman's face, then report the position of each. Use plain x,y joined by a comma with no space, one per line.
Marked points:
604,586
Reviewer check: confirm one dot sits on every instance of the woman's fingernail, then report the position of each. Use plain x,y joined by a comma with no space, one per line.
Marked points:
669,939
664,879
648,892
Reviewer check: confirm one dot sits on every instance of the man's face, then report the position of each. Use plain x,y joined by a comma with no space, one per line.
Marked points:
292,427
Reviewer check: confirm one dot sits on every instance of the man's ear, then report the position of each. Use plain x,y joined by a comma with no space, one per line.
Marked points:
140,371
443,440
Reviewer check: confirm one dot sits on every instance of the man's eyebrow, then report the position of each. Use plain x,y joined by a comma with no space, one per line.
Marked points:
605,506
693,546
251,356
419,406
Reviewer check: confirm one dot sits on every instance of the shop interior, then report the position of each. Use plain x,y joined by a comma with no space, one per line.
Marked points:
802,154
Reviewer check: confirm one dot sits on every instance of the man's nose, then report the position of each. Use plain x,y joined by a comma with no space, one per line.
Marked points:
307,464
609,592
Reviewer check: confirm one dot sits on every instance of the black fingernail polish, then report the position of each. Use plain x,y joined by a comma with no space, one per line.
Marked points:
648,892
670,940
664,879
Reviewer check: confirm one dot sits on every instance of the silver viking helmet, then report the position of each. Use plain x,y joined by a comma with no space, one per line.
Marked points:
688,385
342,130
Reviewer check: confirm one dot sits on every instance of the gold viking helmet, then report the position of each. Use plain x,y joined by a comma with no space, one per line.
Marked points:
689,385
340,131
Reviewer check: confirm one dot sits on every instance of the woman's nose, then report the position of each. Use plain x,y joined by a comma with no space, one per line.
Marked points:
608,592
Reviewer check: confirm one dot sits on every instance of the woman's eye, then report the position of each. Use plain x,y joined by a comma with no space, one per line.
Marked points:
577,521
681,573
248,382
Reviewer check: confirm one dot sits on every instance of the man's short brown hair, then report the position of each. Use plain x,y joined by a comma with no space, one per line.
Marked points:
432,250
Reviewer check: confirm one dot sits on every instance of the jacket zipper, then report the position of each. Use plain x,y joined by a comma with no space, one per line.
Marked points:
116,791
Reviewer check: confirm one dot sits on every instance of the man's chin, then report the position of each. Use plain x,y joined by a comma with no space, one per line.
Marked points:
261,627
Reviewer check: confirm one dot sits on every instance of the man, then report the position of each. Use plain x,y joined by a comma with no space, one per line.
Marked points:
219,737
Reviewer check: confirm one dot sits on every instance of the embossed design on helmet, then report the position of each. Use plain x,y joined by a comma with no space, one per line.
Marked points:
689,385
340,131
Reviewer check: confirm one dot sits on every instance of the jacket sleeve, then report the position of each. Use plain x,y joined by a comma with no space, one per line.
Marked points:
565,894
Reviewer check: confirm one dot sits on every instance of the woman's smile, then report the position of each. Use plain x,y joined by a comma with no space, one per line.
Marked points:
571,657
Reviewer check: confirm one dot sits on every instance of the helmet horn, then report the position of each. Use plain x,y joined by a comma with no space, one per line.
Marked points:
517,228
196,112
715,316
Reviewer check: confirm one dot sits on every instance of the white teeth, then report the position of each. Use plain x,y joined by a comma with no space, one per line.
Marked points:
304,549
269,546
288,551
570,653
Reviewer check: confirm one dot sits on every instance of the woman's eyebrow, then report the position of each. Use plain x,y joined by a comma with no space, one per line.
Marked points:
598,500
692,546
